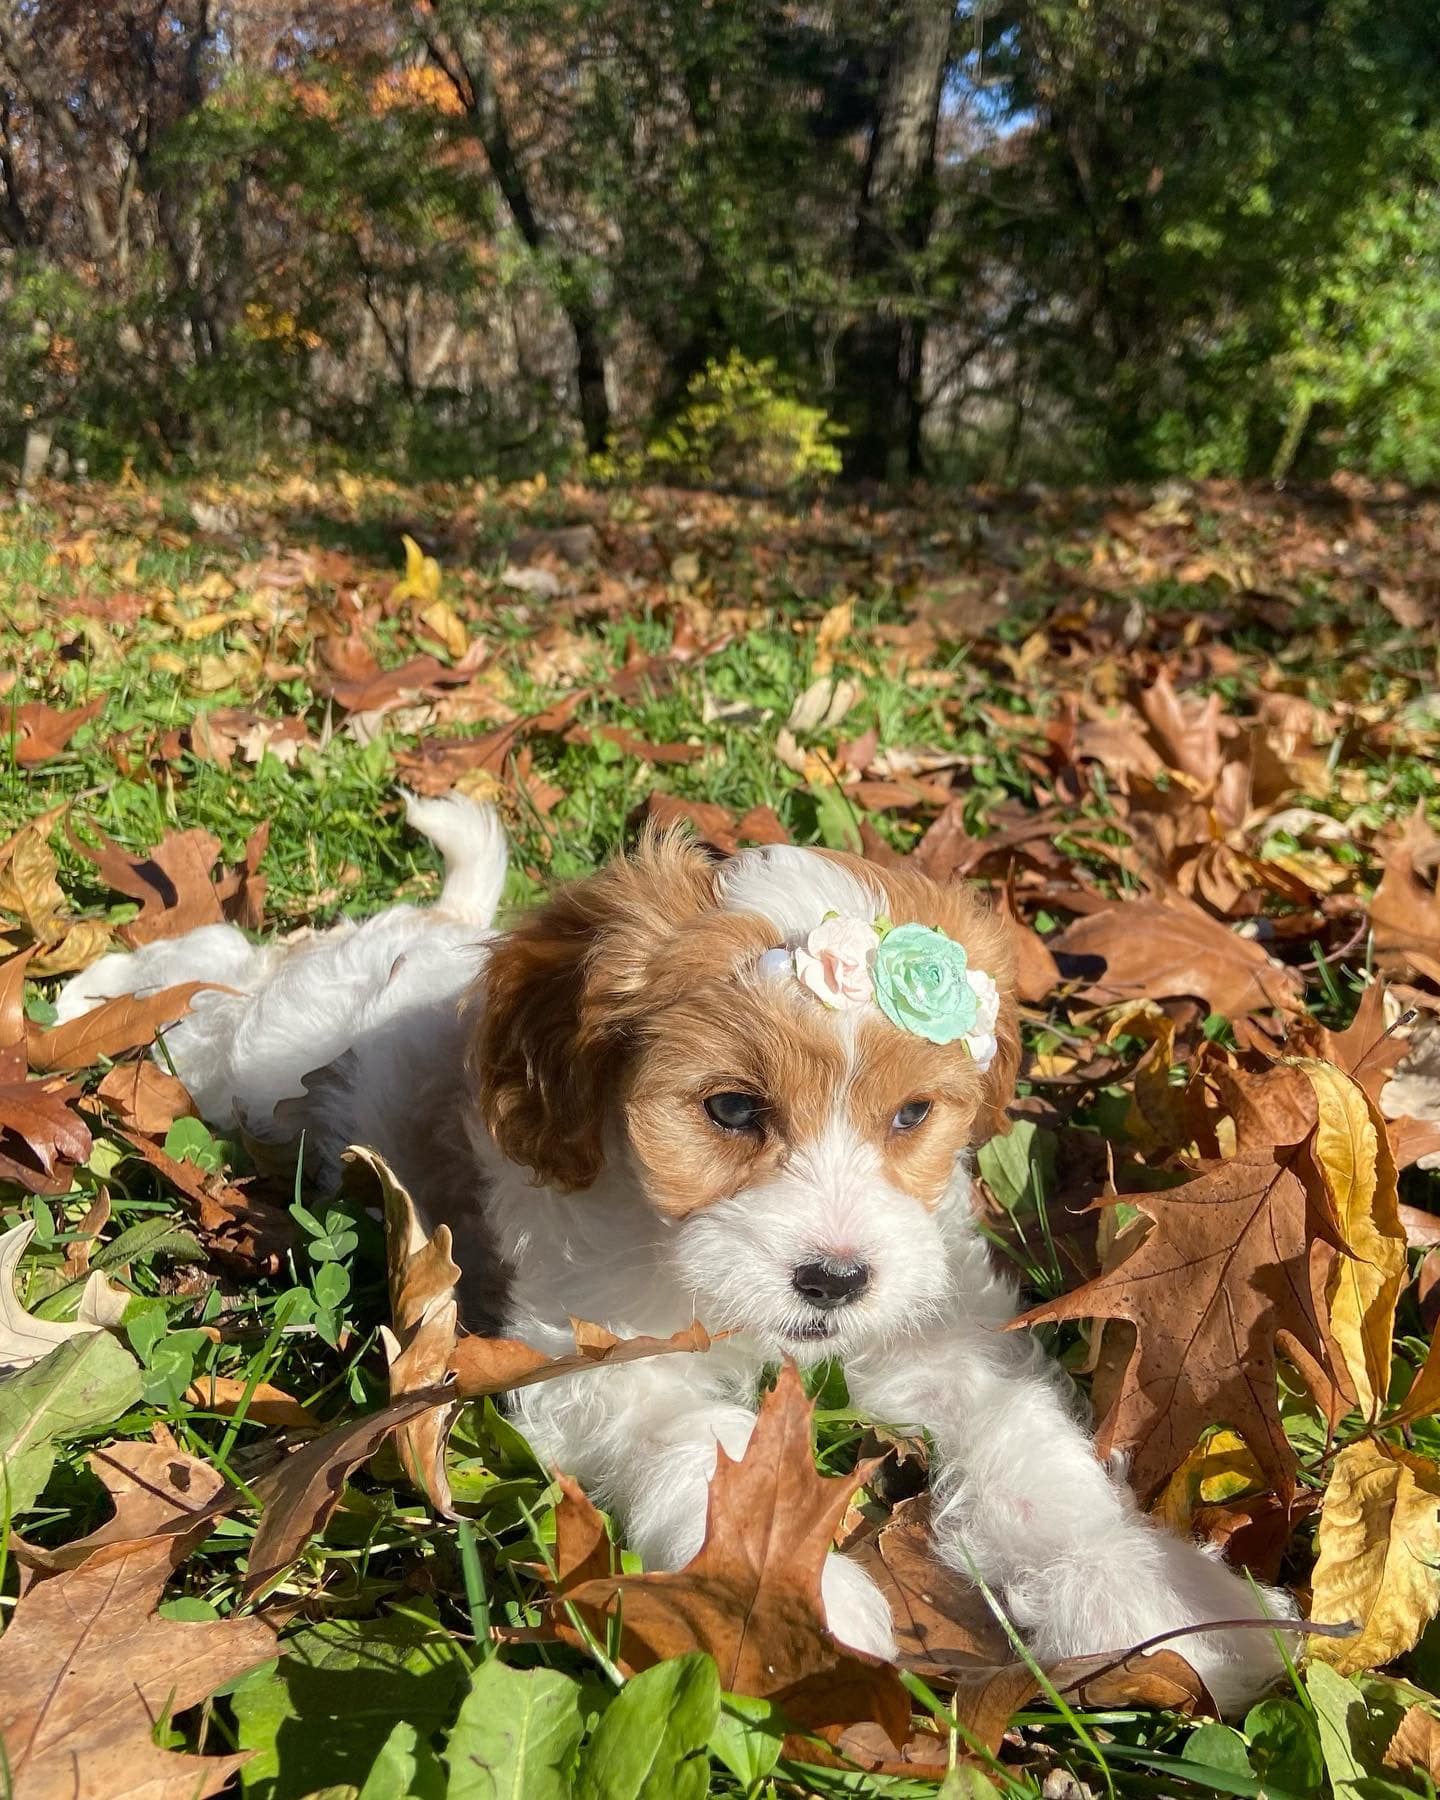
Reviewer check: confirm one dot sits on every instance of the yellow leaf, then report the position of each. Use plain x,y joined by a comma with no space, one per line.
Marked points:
1352,1150
834,628
168,663
442,621
28,887
1379,1543
1220,1469
421,580
210,588
1424,1396
82,944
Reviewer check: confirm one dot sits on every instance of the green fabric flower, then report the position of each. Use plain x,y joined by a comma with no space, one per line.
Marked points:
922,985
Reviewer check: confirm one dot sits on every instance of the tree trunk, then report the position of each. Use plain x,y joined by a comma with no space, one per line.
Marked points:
458,50
882,354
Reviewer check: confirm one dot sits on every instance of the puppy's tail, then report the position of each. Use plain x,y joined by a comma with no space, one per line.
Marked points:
470,838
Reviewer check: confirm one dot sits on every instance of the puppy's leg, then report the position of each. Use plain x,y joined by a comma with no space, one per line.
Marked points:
642,1442
1021,1500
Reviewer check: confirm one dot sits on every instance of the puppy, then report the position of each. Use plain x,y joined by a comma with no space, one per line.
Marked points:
742,1091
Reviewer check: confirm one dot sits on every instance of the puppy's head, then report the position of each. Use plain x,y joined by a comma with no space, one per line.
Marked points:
656,1017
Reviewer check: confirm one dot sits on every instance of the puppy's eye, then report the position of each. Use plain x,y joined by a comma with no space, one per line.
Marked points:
911,1114
735,1112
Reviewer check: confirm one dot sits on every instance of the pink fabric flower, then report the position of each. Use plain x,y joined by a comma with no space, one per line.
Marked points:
836,962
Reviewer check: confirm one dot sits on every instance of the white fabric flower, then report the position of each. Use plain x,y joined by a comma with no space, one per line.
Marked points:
982,1042
836,962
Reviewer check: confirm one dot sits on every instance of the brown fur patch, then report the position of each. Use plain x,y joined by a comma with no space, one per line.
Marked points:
558,996
633,990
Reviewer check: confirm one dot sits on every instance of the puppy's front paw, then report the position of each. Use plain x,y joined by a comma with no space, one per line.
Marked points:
857,1613
1082,1606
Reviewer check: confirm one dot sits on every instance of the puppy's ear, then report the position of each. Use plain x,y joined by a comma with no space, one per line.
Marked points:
558,998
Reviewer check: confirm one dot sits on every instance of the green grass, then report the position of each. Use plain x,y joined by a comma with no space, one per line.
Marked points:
389,1607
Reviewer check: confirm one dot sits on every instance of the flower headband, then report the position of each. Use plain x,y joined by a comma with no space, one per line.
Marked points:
919,978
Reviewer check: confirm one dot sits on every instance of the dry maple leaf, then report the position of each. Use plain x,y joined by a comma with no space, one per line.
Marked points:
422,1278
1351,1153
1405,912
751,1595
128,1022
1166,948
946,1633
41,1138
1229,1272
89,1669
156,1491
145,1097
716,824
44,731
174,886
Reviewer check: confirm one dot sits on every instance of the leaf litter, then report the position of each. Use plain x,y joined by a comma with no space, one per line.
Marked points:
1199,822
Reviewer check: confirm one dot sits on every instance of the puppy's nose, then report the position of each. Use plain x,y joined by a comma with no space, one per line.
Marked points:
831,1281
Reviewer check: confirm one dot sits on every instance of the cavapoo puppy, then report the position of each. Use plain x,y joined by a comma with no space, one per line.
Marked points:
742,1091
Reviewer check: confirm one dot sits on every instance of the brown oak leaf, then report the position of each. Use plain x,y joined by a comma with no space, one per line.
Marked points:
156,1491
751,1595
1229,1274
174,886
1165,948
43,731
1405,913
89,1668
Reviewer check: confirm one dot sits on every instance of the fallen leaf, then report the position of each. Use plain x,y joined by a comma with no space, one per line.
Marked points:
715,823
233,1226
44,731
1224,1278
155,1491
985,1703
1405,913
421,580
823,704
445,625
483,1365
261,1403
41,1137
89,1668
1378,1562
145,1097
1219,1470
424,1312
301,1493
1160,949
172,882
751,1595
1415,1745
29,884
128,1022
24,1339
943,1624
1352,1154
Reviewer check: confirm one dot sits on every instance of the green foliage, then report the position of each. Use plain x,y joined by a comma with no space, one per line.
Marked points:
741,424
82,1384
